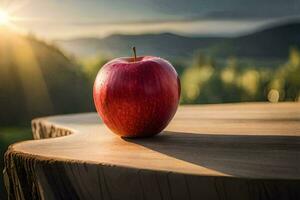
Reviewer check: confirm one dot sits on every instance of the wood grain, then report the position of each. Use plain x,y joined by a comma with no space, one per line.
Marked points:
229,151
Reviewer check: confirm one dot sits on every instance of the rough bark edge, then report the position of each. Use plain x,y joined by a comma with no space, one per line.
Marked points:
42,130
22,182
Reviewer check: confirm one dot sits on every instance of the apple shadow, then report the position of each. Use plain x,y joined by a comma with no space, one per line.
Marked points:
235,155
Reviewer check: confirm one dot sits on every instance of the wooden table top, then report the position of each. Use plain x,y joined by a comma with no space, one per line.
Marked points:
248,140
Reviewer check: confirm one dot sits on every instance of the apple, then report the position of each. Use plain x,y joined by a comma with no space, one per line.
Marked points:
137,96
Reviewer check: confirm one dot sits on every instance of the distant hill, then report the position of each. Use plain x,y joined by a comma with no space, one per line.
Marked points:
270,42
165,45
36,79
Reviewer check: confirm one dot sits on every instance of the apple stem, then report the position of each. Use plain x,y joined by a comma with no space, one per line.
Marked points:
134,53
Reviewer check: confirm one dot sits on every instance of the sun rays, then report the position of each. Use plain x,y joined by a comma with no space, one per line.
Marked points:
31,77
9,15
27,66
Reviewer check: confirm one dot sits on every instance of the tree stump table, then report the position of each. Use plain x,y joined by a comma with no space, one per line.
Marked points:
230,151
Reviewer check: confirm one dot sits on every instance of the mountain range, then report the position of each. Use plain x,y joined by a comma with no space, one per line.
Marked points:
268,43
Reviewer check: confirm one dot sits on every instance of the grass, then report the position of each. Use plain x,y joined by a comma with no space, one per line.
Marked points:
10,135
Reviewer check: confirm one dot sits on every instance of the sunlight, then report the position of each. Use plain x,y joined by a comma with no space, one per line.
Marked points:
35,88
4,18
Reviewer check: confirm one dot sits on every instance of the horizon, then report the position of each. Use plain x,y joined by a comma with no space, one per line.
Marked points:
265,26
53,20
269,25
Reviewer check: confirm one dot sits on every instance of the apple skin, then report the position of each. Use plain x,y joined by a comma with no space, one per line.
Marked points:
137,98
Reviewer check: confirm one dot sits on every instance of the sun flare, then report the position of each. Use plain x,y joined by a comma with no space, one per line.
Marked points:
4,17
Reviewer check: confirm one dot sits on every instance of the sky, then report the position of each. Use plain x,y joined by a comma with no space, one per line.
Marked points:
55,19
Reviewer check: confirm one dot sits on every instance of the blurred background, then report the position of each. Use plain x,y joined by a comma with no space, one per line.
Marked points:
224,51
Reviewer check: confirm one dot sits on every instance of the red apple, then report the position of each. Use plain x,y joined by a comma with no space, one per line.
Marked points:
137,97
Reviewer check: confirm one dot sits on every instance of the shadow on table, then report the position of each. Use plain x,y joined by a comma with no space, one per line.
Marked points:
236,155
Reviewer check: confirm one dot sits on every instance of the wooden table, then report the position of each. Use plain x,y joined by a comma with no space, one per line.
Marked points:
229,151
